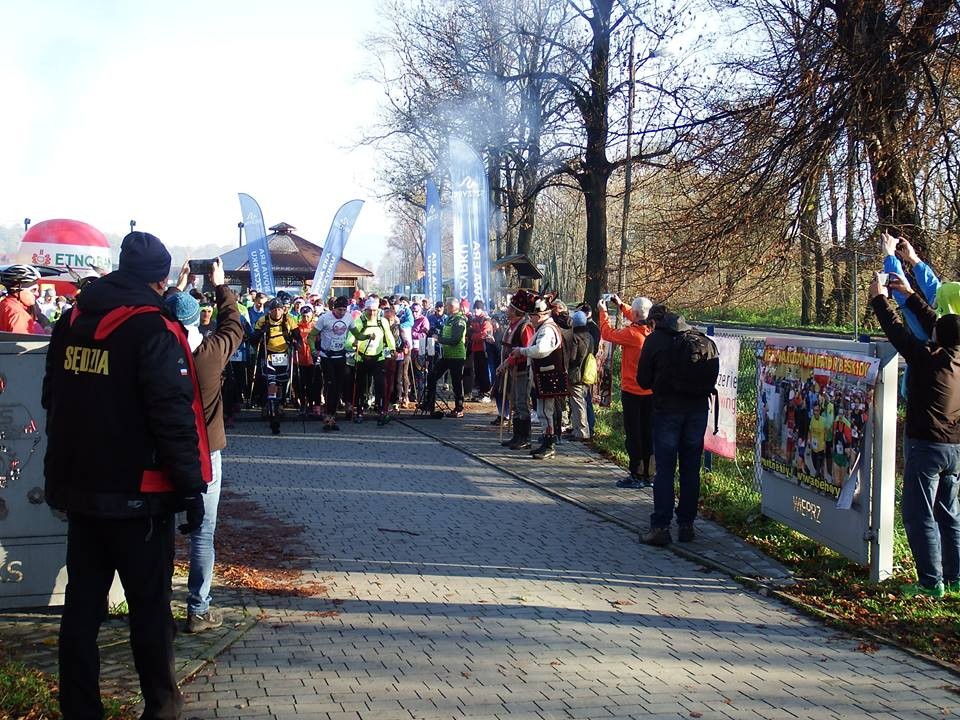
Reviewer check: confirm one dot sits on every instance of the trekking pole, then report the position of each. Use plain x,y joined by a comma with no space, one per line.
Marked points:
256,369
356,371
503,399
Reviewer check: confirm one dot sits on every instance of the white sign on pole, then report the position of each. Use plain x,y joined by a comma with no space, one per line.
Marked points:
724,443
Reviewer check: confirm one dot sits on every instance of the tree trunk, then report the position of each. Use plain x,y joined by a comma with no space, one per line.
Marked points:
806,274
510,193
495,188
596,173
849,240
836,297
595,201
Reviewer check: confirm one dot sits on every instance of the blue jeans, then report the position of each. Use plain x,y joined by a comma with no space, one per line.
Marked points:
677,437
201,545
591,417
931,515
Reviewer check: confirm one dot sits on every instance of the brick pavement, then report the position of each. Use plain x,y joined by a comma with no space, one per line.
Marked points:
30,636
579,474
457,591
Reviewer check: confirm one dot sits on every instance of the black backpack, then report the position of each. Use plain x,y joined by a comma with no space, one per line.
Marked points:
694,368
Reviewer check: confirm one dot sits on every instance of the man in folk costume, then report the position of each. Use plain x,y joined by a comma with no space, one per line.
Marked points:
548,368
514,369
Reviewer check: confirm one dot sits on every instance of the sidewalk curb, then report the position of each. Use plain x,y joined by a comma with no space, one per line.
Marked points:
193,667
757,584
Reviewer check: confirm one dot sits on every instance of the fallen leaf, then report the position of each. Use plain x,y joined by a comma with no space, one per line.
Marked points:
465,673
695,714
868,648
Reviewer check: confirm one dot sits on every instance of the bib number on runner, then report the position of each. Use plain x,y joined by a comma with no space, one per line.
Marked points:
278,359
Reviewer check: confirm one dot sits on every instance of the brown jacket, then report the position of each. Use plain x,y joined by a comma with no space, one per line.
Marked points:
211,358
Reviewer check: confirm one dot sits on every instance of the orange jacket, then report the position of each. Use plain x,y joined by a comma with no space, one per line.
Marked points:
14,317
631,339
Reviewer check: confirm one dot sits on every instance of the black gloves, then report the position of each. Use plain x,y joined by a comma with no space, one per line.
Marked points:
194,505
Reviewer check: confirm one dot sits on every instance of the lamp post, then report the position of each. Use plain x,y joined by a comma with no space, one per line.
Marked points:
133,224
240,234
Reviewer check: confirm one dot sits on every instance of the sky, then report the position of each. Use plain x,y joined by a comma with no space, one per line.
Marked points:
162,112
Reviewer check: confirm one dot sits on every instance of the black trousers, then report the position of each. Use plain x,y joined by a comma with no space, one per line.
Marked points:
335,383
367,369
456,379
638,431
481,373
141,551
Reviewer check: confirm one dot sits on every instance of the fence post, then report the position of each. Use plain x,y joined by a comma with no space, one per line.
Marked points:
708,456
883,480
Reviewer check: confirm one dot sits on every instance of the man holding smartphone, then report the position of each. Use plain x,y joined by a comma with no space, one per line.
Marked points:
931,514
211,353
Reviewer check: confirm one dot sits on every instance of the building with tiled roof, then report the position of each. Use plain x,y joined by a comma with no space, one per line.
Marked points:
295,261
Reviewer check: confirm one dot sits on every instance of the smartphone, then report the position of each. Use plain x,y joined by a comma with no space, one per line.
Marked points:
201,267
883,278
607,296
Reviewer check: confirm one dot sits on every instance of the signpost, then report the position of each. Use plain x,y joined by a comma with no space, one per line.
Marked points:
826,440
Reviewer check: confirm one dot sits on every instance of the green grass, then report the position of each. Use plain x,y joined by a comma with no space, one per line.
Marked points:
825,579
784,316
29,694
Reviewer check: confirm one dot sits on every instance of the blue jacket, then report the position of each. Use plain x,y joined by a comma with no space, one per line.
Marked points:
927,285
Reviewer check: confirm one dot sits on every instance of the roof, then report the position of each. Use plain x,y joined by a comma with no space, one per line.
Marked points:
290,253
522,264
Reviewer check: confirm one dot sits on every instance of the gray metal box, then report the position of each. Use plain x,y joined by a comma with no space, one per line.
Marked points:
33,539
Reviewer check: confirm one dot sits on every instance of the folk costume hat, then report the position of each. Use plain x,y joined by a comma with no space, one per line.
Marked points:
523,301
547,303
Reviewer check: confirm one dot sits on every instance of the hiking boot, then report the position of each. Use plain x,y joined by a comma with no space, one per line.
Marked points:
455,413
436,414
198,622
685,532
644,481
541,446
915,589
629,483
547,450
658,537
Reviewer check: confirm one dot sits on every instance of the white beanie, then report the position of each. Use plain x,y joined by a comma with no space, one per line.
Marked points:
371,304
640,307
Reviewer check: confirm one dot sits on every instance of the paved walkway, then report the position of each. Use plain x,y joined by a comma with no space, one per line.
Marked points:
579,474
31,637
455,590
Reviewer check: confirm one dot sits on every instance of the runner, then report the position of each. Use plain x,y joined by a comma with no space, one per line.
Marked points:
332,327
274,337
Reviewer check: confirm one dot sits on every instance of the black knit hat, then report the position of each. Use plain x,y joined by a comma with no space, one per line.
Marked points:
144,257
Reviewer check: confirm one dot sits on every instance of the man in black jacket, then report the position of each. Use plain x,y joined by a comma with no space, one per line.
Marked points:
127,448
931,516
679,423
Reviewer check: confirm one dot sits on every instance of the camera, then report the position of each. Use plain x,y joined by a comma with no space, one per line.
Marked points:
201,267
607,296
883,279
